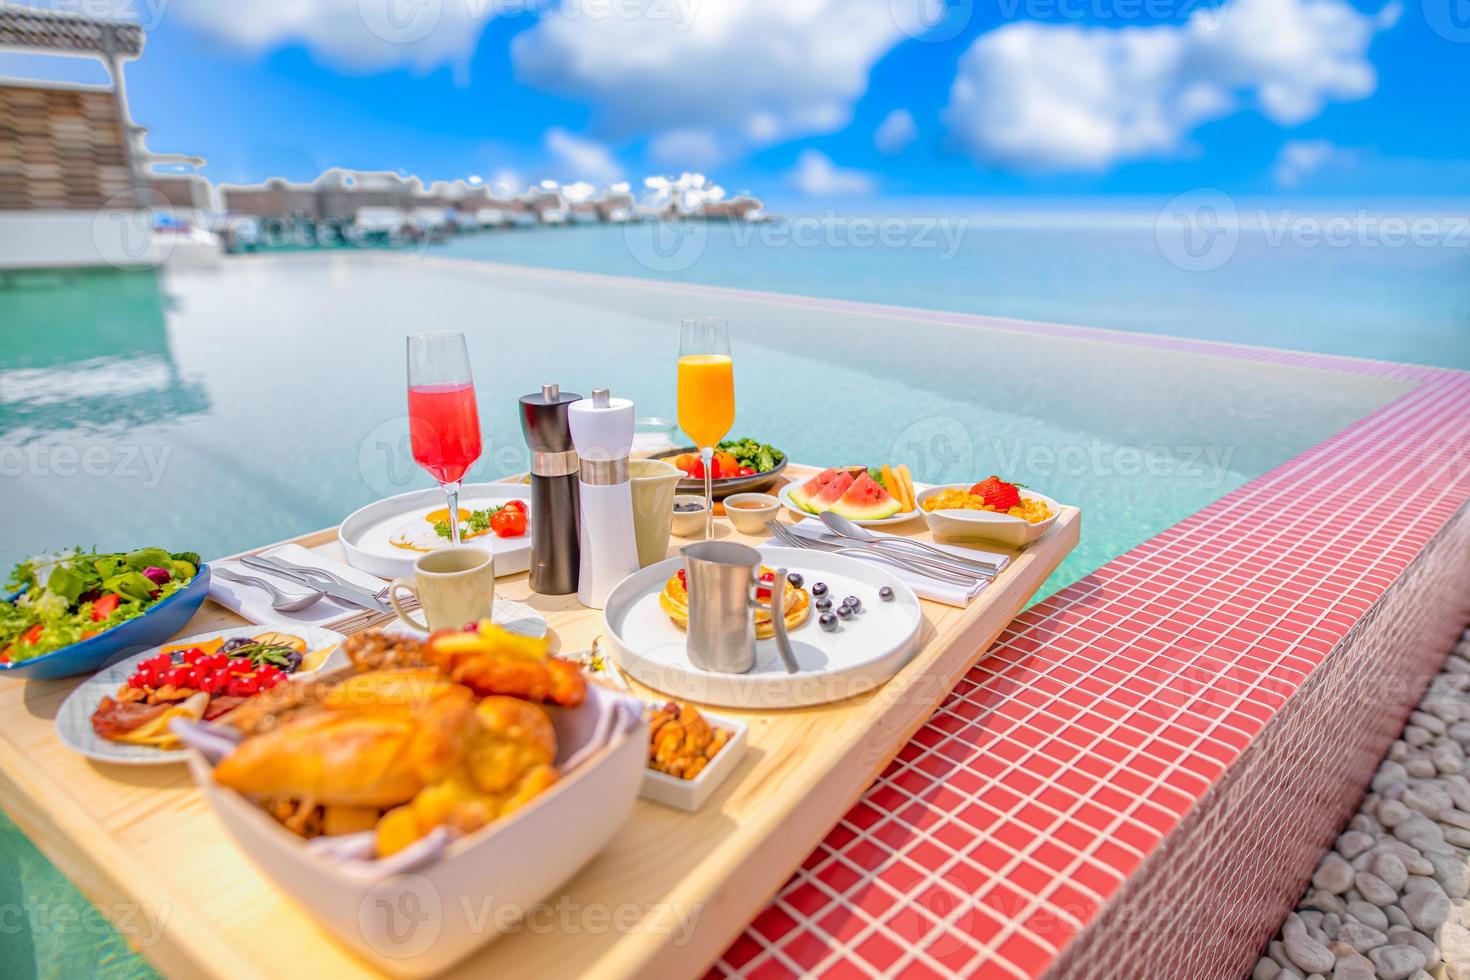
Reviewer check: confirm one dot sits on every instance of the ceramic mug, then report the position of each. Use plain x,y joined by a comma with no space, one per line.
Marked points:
654,483
454,586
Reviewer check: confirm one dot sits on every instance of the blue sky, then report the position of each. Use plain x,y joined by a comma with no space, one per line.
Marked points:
812,99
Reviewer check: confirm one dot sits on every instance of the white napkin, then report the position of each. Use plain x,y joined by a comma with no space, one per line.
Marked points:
254,603
924,586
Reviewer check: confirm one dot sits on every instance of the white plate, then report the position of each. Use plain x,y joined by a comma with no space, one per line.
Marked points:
74,720
365,532
785,497
860,654
986,525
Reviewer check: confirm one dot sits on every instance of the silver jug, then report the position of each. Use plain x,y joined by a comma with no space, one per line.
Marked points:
720,576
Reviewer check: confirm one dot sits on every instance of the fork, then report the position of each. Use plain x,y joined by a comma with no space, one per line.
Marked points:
915,565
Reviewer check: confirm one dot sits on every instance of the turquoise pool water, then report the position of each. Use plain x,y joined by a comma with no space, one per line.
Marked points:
1288,279
217,410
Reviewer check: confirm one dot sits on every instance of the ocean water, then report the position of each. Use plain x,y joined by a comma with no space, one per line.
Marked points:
219,410
1286,280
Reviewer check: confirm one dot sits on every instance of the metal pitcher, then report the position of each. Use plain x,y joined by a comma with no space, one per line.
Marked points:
721,578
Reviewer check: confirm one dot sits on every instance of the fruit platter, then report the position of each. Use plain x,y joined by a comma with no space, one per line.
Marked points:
869,496
740,466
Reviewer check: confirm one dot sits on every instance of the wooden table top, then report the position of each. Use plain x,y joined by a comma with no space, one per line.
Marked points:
665,898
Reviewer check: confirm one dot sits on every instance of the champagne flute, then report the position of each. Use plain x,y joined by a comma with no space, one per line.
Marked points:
443,422
706,394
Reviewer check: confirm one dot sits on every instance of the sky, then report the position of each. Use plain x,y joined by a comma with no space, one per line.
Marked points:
815,100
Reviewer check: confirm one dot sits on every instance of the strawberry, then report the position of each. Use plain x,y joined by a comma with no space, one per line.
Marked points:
998,493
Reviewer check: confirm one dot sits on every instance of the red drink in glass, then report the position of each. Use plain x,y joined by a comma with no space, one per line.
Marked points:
444,428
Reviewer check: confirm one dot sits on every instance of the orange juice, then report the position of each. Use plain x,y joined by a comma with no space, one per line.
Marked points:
706,397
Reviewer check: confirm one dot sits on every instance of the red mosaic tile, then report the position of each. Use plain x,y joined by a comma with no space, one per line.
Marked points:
1103,714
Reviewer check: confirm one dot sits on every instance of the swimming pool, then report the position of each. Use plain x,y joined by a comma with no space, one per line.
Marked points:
217,410
1280,281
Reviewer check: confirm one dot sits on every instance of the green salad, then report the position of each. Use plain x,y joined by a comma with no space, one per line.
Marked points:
75,595
756,455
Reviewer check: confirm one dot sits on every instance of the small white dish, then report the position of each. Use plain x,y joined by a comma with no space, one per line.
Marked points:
688,523
759,509
366,533
791,505
861,654
986,525
74,720
691,794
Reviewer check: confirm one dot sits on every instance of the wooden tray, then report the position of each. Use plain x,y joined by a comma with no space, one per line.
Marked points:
664,899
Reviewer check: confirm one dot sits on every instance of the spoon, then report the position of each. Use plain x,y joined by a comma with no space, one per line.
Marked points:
845,528
280,601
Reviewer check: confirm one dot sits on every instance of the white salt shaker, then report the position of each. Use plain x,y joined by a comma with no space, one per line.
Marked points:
602,432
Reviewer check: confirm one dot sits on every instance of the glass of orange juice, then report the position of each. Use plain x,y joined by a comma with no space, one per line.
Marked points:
706,394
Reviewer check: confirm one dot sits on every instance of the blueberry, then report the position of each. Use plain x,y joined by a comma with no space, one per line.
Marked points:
854,602
827,621
819,589
845,612
795,578
886,593
824,603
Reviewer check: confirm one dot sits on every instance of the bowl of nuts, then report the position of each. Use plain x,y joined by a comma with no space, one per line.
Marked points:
690,754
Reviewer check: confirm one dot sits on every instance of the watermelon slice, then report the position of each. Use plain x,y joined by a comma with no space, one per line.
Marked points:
822,491
866,500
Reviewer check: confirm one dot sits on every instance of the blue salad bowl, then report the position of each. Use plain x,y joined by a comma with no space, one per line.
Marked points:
154,627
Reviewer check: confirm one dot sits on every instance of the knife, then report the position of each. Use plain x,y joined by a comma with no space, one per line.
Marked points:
318,579
960,566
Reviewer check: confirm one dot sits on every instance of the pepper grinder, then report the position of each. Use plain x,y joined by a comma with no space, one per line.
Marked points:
602,431
555,548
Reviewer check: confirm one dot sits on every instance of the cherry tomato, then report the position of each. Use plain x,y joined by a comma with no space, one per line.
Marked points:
519,505
507,523
746,471
31,635
240,665
136,681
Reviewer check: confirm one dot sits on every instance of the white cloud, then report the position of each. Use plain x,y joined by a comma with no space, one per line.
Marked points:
364,35
581,159
895,132
686,149
1073,97
817,176
749,72
1300,158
